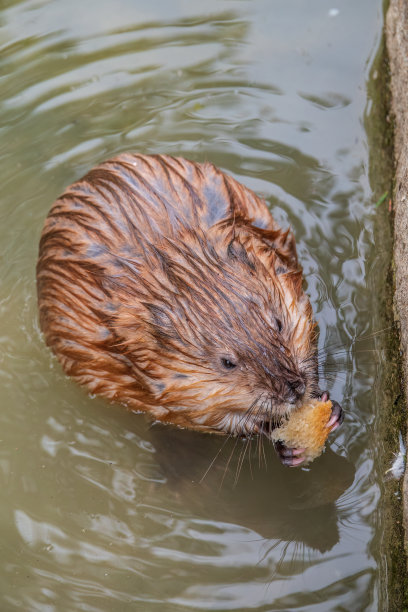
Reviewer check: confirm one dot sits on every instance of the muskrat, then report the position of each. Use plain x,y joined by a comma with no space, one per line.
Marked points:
167,286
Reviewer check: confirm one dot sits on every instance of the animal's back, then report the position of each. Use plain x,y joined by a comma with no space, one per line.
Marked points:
154,195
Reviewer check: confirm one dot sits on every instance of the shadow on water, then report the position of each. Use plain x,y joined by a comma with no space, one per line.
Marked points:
228,478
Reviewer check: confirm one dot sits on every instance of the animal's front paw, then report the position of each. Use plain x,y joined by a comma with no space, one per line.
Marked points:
337,415
290,456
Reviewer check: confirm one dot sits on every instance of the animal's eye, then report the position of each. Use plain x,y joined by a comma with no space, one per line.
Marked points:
279,325
228,364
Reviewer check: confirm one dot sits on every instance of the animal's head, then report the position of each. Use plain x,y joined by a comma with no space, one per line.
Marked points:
225,337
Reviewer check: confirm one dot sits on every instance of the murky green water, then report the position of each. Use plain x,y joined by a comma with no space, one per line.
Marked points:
99,511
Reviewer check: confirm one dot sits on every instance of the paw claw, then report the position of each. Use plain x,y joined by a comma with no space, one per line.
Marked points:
289,456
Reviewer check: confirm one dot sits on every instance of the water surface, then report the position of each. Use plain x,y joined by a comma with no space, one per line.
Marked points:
99,510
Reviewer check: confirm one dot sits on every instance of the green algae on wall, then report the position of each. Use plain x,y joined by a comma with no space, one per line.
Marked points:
380,131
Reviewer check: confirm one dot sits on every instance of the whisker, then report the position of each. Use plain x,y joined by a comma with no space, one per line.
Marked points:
348,351
338,345
228,462
262,436
255,409
241,461
334,375
215,458
243,419
250,461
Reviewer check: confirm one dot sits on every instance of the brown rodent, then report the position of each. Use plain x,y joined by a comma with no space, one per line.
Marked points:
166,285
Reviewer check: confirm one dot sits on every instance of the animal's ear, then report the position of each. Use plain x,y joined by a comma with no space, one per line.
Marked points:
287,249
296,278
282,243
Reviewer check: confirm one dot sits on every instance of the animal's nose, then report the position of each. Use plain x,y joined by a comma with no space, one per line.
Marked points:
296,390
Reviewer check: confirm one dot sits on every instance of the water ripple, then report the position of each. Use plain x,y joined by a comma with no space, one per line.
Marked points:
102,512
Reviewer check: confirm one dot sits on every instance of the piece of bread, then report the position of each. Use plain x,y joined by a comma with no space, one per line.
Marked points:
306,428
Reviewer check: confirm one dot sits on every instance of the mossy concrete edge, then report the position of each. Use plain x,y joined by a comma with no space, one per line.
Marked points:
397,47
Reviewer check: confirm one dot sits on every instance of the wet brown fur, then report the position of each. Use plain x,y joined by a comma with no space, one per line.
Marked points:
153,271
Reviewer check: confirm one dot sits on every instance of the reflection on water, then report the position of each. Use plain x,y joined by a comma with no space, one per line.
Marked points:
100,511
